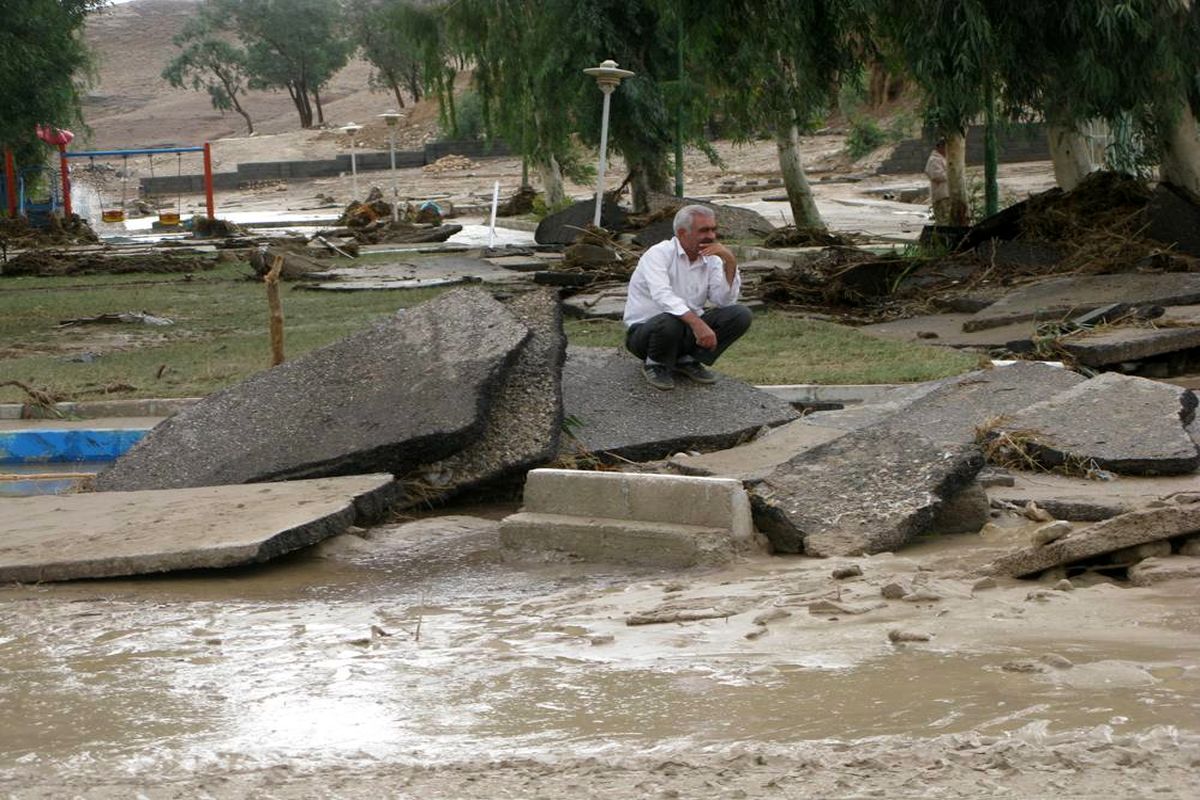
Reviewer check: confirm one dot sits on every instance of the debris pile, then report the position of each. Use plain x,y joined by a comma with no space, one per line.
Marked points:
18,232
450,163
47,263
369,221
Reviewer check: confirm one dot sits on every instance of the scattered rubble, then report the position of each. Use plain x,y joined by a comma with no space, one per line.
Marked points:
449,163
1164,522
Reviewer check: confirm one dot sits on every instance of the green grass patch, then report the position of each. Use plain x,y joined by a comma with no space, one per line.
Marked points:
782,349
220,337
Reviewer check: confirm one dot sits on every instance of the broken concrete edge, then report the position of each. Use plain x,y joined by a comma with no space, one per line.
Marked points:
367,508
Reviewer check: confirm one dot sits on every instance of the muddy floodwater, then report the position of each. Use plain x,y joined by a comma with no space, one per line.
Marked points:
412,660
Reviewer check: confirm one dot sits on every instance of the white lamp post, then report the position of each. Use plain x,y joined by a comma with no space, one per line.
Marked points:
352,129
608,77
391,118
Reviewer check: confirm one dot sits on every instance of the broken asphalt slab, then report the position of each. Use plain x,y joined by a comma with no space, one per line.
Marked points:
564,227
1128,425
1167,521
756,459
870,491
1062,297
1177,329
415,271
408,391
108,534
611,409
524,418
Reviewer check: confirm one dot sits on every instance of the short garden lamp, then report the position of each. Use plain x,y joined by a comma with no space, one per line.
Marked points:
352,129
392,118
608,77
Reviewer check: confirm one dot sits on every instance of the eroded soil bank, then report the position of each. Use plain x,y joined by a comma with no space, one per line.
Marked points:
413,661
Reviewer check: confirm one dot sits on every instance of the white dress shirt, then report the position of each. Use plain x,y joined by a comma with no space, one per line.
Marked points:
667,281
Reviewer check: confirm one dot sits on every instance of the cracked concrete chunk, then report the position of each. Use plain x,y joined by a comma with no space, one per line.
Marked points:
1126,530
867,492
612,409
1160,570
1116,422
524,418
407,391
107,534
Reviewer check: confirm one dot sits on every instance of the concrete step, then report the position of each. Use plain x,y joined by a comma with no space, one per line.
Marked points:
650,544
678,499
633,518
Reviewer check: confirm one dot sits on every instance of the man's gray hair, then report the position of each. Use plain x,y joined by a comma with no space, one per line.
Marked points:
685,217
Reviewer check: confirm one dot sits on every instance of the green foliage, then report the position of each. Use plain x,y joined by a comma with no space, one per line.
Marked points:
297,45
43,63
865,137
541,210
387,35
210,64
468,118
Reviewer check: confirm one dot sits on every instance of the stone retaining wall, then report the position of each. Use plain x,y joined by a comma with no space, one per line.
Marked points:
257,171
1015,144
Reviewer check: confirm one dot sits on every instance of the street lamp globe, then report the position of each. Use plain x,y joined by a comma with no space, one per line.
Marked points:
608,77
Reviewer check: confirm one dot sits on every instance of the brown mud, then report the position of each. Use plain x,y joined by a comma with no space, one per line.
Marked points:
414,661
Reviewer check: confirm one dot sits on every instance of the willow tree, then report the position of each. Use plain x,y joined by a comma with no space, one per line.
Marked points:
780,79
524,76
528,58
951,51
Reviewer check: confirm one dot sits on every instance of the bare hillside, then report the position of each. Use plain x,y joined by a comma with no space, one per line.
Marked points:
130,105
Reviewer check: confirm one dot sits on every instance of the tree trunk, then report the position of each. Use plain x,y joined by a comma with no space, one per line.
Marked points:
316,93
552,182
646,176
1070,154
300,100
804,207
399,95
233,101
1181,153
956,174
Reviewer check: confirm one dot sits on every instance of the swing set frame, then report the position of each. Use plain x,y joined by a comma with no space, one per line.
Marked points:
206,149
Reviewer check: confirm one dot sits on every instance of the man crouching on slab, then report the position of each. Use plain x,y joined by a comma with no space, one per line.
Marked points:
666,324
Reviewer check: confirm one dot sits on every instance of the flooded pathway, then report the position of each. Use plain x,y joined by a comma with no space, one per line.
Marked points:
418,653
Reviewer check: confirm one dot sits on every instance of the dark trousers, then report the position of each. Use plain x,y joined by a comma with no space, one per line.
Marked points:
667,339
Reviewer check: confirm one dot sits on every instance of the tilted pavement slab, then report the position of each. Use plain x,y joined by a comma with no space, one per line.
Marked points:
755,460
1063,297
1128,530
1116,345
524,418
1087,500
1151,571
946,330
611,409
413,271
107,534
952,411
408,391
869,491
1128,425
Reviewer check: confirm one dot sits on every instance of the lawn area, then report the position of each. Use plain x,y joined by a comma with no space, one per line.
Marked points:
220,336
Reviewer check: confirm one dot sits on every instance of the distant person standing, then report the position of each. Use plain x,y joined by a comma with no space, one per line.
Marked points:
939,184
